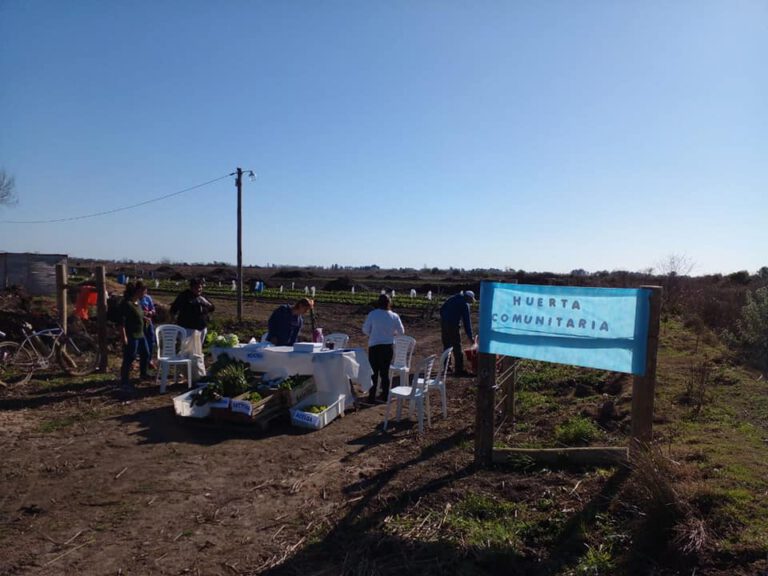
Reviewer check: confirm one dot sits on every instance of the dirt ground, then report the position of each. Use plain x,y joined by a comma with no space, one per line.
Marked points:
93,485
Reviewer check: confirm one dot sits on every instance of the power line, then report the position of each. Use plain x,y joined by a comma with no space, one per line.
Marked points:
105,212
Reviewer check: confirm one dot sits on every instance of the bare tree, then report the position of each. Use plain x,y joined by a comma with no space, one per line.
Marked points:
7,185
675,265
673,269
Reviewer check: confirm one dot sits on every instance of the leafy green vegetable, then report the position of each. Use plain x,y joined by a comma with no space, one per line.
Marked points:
293,381
226,341
233,379
252,396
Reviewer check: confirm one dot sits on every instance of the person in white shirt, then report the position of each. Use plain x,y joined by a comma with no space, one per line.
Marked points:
381,326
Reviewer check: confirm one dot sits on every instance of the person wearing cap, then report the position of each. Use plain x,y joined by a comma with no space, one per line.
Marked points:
286,322
381,326
453,313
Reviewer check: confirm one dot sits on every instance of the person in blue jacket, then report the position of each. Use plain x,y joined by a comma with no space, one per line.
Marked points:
286,322
453,313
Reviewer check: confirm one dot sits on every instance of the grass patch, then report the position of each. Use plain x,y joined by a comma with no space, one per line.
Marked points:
527,402
577,431
484,522
64,422
66,382
56,424
598,561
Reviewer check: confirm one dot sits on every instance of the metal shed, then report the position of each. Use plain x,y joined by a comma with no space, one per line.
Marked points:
36,273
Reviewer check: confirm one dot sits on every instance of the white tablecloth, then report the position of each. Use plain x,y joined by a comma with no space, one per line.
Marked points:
332,369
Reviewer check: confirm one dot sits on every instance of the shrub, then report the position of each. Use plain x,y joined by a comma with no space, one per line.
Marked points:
750,336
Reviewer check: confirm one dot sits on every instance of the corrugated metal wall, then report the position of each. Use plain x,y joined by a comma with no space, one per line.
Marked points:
36,273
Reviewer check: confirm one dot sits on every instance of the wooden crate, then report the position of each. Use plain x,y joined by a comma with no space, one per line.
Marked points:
259,413
296,395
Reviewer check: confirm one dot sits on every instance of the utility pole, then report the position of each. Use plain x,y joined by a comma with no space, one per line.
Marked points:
239,185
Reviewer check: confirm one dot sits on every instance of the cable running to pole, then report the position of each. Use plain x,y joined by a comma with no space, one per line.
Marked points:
114,210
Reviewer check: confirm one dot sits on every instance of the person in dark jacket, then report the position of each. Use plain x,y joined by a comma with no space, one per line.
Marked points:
192,309
286,322
453,313
134,343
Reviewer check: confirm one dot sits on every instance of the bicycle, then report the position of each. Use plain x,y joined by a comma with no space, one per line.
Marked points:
77,354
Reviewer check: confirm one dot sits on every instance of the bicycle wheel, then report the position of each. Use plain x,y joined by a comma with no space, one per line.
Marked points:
78,354
16,364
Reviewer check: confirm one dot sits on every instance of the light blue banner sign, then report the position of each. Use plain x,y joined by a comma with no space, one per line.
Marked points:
603,328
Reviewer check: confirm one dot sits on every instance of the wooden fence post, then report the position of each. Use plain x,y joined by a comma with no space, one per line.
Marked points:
486,384
644,387
101,315
61,294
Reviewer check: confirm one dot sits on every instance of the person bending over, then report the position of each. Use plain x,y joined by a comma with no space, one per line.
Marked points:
286,321
453,313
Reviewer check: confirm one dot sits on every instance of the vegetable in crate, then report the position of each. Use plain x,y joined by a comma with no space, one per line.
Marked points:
293,381
233,379
315,409
253,397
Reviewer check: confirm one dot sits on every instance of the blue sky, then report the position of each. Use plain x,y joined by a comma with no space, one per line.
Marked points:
546,135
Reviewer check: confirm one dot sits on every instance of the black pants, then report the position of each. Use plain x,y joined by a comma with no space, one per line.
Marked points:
380,357
452,339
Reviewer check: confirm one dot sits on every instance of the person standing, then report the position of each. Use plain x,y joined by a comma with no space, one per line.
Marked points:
134,343
453,313
286,322
381,326
192,309
148,307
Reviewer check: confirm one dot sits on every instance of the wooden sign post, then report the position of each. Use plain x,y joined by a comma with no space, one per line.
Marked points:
486,388
644,387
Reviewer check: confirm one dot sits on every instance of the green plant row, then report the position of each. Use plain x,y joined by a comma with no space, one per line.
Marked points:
321,296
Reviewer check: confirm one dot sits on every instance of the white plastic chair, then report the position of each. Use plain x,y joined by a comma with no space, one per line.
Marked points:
169,338
438,383
338,340
402,355
415,394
